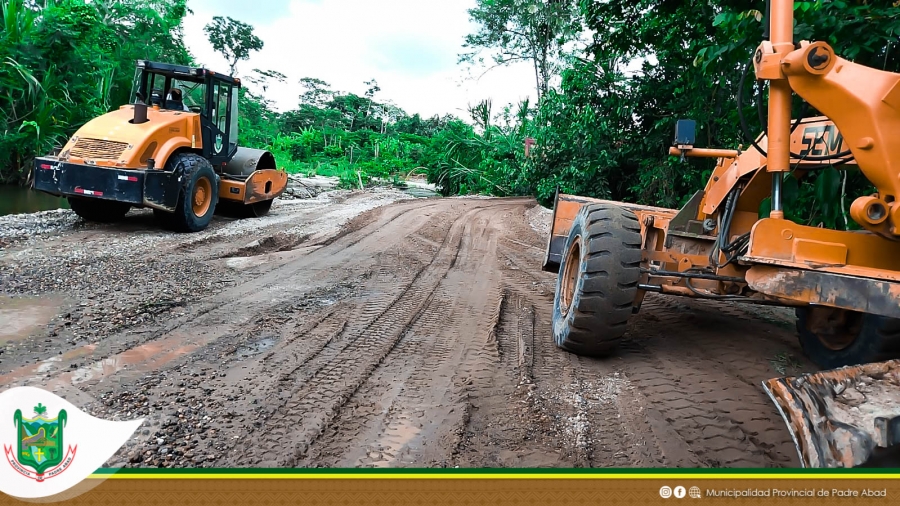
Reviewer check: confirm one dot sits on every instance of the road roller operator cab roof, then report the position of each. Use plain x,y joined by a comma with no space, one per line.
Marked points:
212,95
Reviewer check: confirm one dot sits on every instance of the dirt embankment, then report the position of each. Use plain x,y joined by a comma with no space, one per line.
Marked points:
369,329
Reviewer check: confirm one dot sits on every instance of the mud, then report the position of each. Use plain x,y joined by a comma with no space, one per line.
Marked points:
374,330
22,316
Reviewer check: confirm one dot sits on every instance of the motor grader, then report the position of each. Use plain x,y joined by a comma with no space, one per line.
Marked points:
174,150
844,285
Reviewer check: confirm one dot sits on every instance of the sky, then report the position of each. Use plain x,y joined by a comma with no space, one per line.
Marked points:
409,46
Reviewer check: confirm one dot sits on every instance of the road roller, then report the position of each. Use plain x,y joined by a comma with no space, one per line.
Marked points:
174,149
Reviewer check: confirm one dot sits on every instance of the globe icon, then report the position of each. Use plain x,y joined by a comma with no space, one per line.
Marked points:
694,492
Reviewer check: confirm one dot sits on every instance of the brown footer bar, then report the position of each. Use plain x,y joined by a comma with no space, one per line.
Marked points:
519,491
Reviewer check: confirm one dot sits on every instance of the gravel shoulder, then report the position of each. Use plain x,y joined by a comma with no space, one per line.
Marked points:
372,329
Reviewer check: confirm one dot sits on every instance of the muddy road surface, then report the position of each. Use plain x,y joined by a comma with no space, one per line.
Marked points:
371,329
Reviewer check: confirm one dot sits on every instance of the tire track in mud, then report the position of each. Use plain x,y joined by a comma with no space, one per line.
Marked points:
704,388
410,411
515,418
334,332
317,402
621,411
675,395
311,369
612,429
224,315
501,428
419,335
383,422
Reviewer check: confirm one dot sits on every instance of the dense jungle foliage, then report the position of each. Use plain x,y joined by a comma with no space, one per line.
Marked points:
612,78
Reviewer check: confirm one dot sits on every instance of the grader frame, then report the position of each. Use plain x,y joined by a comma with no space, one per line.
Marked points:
845,285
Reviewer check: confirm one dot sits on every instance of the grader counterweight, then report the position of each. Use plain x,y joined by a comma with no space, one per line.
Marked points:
844,285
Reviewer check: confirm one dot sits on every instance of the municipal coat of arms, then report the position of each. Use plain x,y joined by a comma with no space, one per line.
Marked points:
39,445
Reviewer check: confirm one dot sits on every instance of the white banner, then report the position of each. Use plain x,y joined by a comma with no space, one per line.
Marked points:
49,445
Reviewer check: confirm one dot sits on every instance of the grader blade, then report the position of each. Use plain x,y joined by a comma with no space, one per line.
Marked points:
847,417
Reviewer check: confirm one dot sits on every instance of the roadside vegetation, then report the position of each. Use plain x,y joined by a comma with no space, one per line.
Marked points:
611,79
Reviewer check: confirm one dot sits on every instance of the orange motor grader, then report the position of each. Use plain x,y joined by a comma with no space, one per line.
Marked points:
845,285
173,150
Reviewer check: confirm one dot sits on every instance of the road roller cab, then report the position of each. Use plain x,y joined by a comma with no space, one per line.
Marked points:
174,150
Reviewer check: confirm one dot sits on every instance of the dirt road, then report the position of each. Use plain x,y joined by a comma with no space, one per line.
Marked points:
414,334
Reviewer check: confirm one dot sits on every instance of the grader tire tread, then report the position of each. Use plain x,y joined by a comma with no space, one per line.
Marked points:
609,272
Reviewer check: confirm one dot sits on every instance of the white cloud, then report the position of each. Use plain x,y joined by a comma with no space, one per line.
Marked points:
409,46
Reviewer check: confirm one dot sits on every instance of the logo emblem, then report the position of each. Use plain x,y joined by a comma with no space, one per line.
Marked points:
218,143
695,493
679,492
40,445
665,492
40,433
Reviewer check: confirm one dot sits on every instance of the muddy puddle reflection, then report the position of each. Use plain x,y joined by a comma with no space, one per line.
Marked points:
20,317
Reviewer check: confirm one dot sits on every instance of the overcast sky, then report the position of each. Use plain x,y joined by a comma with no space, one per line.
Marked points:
409,46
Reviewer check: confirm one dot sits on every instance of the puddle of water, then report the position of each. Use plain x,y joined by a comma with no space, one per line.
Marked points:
400,436
45,366
48,365
403,433
20,317
149,356
256,347
242,263
81,351
146,357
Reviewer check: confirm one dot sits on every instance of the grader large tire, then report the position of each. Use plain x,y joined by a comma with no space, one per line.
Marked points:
97,210
597,281
834,338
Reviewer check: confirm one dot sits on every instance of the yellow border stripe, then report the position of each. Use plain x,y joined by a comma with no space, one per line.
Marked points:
486,476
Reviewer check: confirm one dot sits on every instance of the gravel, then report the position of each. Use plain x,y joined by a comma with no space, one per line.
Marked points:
136,272
18,227
178,429
539,218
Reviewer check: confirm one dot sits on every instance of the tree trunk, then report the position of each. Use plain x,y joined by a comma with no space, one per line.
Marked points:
545,71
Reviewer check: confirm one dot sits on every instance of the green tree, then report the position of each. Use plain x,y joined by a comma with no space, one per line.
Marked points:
262,78
64,62
693,57
233,39
317,92
581,133
523,30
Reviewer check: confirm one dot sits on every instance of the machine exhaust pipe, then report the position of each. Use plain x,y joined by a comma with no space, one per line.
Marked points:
140,112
